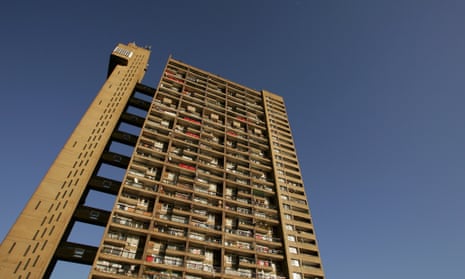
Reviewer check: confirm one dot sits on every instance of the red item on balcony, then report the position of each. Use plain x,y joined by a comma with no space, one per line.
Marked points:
187,167
191,120
192,135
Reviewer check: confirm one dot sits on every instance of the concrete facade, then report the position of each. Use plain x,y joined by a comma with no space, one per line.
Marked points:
212,189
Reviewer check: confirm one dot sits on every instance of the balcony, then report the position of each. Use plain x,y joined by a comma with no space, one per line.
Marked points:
198,265
133,182
129,222
172,231
115,267
119,251
239,272
238,244
174,218
201,224
239,232
152,273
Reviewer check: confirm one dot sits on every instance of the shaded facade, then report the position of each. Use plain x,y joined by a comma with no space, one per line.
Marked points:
212,187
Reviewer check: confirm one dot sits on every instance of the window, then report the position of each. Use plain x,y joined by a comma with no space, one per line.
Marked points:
79,252
291,238
295,262
296,275
289,227
293,250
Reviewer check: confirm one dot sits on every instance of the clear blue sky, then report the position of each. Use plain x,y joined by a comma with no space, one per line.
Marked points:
375,92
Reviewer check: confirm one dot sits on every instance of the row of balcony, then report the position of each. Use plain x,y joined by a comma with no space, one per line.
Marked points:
206,194
211,108
234,171
200,87
181,231
132,270
247,267
209,145
196,220
189,118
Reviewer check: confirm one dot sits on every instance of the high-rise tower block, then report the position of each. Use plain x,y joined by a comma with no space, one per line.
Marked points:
212,187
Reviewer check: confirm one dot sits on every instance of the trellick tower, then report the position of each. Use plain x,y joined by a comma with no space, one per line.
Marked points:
212,187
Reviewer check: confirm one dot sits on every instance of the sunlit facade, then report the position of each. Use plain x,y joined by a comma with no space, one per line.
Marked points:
212,187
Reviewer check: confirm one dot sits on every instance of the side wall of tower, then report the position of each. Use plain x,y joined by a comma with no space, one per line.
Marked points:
32,241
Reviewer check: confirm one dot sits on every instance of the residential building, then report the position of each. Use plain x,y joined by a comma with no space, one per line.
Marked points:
212,186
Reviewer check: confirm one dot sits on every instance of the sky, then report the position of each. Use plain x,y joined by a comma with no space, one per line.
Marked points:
374,90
